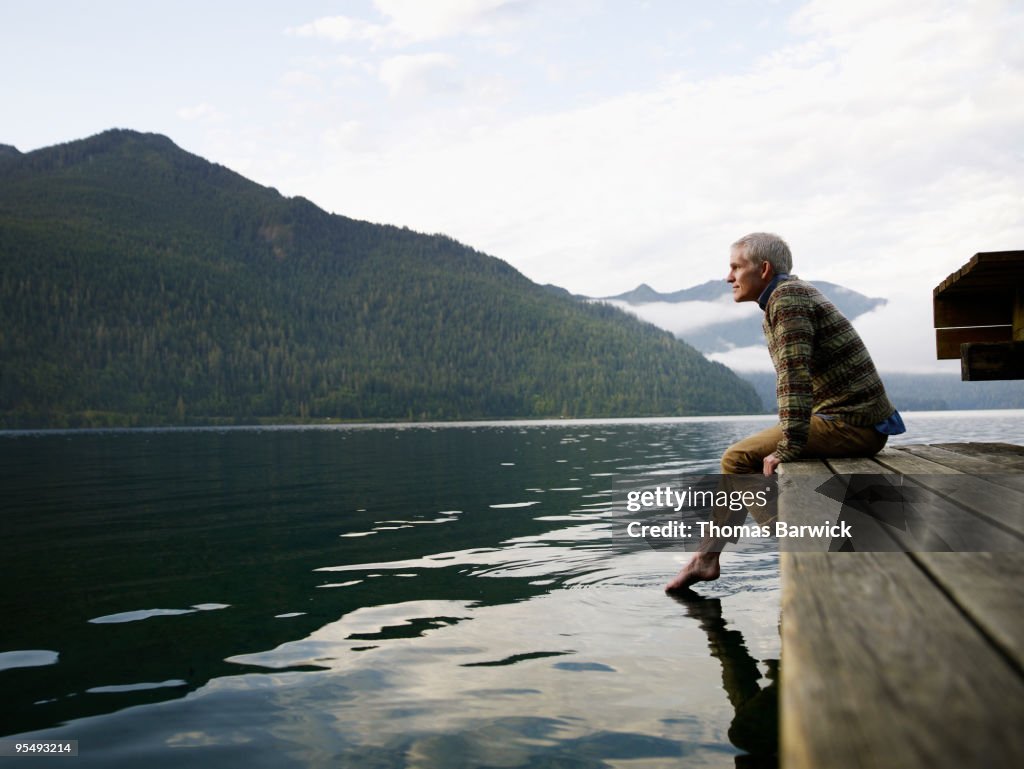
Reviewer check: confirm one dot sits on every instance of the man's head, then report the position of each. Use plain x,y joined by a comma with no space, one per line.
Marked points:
754,260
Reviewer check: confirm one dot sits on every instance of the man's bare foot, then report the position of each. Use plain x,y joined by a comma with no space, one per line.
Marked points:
703,567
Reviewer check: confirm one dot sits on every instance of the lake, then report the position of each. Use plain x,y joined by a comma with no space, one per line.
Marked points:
429,595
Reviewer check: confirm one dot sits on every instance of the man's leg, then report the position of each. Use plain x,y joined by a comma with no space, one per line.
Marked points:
827,438
836,438
747,455
741,458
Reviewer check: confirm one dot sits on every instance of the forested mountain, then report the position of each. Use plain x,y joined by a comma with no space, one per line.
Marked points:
140,284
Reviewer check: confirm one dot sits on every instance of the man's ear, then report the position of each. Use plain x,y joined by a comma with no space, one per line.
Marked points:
767,271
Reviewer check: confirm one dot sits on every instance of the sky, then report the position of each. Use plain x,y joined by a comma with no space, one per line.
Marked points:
593,144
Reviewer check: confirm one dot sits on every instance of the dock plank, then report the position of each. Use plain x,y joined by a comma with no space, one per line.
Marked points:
799,504
851,465
876,671
1005,453
910,464
988,500
985,449
1000,473
989,588
907,659
941,512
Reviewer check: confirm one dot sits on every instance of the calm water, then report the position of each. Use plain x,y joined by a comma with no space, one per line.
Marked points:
421,596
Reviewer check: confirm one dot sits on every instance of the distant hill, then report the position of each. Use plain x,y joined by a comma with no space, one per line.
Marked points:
696,320
921,392
140,284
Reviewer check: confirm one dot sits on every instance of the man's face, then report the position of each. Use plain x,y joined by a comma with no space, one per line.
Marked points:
747,280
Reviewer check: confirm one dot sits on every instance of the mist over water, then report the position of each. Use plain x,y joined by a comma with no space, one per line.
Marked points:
428,595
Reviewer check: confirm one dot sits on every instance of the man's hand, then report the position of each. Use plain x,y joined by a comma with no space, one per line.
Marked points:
770,463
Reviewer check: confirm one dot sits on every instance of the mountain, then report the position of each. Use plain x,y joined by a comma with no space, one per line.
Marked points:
922,392
706,317
644,294
141,284
909,391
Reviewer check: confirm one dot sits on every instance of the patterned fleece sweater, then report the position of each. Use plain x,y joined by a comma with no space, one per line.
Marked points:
821,365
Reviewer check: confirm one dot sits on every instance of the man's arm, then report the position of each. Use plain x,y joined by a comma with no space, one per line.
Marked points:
791,319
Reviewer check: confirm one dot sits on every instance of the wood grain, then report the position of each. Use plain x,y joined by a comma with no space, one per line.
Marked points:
906,659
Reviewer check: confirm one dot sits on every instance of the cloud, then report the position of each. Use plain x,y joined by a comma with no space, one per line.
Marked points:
418,75
828,148
299,79
200,112
901,336
415,21
339,29
745,359
349,135
683,317
884,147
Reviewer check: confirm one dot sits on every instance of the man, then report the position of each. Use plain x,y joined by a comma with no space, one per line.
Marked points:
831,399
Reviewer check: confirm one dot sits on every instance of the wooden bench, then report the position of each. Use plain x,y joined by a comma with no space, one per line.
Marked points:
907,659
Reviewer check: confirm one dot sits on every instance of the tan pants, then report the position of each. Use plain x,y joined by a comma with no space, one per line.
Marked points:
827,438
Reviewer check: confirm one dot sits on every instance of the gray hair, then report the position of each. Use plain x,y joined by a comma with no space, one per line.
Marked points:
761,247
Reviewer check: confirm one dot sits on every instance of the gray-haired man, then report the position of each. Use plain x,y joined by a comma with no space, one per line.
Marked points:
831,400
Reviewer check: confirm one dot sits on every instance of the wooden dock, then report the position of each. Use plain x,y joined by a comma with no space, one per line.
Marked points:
907,659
